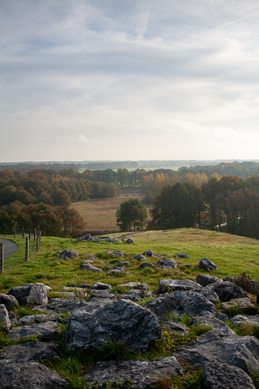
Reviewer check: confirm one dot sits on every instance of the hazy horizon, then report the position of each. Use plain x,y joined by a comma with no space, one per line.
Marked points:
129,80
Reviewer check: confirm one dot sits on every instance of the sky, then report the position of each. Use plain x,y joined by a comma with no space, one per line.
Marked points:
129,80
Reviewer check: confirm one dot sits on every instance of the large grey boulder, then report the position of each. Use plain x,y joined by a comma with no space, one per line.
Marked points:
47,331
141,372
5,322
166,263
227,291
217,375
206,264
170,285
209,294
32,351
9,301
222,345
30,375
181,302
30,294
206,279
122,320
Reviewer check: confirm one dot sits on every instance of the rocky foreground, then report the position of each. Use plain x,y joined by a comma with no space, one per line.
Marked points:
226,358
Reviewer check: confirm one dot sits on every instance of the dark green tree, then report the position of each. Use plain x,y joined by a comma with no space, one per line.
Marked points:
132,213
176,206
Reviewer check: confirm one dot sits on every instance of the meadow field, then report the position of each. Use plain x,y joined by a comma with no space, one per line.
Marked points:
231,253
100,214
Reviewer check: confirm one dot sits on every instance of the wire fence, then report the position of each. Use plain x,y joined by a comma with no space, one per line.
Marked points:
18,246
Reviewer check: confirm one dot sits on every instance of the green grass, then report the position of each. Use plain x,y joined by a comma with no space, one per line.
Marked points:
232,254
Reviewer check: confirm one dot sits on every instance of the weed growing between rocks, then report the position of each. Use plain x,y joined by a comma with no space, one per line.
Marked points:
254,374
245,329
190,379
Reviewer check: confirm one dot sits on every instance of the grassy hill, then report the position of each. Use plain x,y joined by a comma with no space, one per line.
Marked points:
232,254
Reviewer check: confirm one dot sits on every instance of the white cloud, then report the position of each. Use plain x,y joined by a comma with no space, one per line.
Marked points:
139,76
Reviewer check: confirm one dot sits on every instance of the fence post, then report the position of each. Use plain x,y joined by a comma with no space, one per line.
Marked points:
27,253
35,234
38,243
2,257
23,232
30,233
14,232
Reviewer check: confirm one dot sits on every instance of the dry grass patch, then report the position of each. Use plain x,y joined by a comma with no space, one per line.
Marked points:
100,214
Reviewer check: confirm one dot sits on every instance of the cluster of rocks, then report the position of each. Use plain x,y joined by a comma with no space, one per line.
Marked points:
162,262
104,239
225,357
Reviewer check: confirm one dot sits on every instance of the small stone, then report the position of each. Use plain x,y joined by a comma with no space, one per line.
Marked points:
206,264
149,253
181,255
140,257
115,253
101,286
9,301
166,263
84,266
129,241
4,318
147,264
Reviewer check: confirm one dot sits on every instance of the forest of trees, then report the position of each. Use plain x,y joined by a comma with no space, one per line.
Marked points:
200,196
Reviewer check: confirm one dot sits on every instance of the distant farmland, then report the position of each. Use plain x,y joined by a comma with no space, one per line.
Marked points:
100,214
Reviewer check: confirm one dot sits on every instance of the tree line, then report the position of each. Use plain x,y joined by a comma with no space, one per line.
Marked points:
50,187
227,204
57,221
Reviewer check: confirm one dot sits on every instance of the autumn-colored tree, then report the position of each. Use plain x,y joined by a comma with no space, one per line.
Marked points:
60,197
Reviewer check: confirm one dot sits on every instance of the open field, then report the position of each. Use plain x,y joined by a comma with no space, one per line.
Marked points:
100,214
232,254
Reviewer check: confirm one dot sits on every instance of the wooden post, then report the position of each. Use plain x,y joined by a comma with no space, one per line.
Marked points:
14,232
2,257
27,253
39,239
30,233
35,233
38,243
23,232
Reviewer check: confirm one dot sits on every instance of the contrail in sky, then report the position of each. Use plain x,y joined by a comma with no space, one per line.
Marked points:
214,29
144,30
